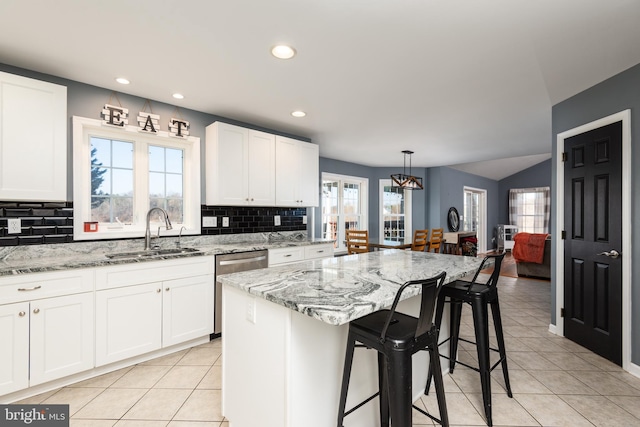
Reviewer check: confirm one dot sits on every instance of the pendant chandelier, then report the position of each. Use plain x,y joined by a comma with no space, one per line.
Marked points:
408,182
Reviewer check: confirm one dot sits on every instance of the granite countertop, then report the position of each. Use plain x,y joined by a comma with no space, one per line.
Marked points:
46,258
338,290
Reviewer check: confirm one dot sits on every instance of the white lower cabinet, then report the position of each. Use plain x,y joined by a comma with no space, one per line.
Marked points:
134,318
61,337
53,325
187,309
128,322
14,351
44,340
290,255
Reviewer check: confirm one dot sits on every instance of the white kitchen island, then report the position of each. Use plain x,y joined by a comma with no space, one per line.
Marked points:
285,330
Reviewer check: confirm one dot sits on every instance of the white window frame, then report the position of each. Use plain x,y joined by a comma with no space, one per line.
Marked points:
340,246
481,232
408,233
85,128
519,218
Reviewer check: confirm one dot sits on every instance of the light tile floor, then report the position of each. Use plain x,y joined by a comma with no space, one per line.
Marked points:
555,382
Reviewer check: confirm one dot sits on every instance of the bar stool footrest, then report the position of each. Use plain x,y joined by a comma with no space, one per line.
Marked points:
361,404
423,412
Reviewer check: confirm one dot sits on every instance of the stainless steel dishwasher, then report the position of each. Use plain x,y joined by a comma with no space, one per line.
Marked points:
234,263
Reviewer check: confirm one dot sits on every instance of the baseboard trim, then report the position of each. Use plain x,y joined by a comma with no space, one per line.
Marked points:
634,369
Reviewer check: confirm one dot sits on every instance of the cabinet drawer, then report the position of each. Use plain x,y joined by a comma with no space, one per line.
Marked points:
285,255
318,251
44,285
153,271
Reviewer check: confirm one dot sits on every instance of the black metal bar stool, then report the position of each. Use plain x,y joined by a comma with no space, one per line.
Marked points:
396,337
479,296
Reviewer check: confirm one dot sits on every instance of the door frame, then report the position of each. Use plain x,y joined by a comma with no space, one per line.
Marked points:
558,329
481,232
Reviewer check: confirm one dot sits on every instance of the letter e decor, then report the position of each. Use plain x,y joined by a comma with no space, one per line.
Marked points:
115,116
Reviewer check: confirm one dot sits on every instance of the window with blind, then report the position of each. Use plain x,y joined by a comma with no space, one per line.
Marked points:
529,209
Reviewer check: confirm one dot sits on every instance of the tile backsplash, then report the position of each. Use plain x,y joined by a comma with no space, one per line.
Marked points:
52,222
251,219
41,223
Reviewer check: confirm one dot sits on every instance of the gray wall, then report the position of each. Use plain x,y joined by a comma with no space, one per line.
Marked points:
87,101
616,94
536,176
443,189
449,192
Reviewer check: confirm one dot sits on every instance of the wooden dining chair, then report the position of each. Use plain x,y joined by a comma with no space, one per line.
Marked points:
436,240
420,240
357,241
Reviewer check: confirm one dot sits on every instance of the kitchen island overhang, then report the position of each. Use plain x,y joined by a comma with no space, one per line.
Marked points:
285,328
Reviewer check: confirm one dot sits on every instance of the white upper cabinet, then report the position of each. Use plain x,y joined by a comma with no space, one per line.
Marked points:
240,166
261,169
297,173
33,139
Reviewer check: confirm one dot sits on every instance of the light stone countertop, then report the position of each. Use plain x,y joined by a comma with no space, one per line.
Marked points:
338,290
59,257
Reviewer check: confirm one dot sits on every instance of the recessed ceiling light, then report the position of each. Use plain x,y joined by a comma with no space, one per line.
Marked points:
298,114
178,96
282,51
122,81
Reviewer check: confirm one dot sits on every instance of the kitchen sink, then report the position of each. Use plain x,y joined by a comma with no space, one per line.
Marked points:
152,253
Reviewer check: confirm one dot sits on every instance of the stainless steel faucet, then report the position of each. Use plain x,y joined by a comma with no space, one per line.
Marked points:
147,233
178,244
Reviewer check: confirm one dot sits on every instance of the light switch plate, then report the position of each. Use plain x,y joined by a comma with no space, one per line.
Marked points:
304,219
276,220
225,221
209,221
14,226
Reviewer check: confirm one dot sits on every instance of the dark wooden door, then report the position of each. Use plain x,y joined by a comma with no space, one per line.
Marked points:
593,225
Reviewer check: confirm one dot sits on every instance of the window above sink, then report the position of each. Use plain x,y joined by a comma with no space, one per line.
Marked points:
120,173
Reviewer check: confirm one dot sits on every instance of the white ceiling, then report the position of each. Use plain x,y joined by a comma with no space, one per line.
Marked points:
455,81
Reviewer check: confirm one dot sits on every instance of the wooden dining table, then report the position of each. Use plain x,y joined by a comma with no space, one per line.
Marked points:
389,245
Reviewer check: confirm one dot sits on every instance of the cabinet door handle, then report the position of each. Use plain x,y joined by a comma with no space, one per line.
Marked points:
22,314
167,289
29,289
36,310
159,290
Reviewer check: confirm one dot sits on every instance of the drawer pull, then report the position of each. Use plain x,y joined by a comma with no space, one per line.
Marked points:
36,310
287,255
29,289
320,251
22,314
